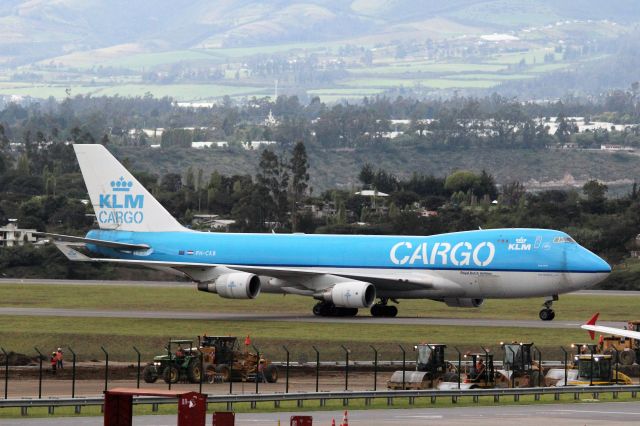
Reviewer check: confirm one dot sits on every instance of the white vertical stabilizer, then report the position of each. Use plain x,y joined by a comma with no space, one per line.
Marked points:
119,200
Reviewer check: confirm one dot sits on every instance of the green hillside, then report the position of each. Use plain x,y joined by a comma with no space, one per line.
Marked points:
339,169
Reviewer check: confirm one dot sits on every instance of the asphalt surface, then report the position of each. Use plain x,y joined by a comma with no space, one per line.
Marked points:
287,317
615,413
39,281
189,315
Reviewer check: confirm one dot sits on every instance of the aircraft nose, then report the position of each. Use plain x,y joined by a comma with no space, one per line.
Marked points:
591,262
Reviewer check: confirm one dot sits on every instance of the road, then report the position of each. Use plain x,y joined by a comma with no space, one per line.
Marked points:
614,413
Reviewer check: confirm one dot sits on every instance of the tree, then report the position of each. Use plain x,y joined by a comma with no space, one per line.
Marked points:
274,179
367,174
299,167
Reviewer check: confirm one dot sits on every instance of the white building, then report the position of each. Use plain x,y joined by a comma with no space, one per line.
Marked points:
11,235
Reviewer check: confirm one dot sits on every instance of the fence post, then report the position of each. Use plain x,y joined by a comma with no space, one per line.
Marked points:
346,367
375,367
257,366
6,373
73,373
541,370
591,378
286,386
138,379
404,364
566,356
317,366
513,359
231,375
617,363
201,359
40,356
459,364
170,360
106,368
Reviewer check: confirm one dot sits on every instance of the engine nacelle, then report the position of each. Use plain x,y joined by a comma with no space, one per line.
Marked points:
463,302
237,285
351,294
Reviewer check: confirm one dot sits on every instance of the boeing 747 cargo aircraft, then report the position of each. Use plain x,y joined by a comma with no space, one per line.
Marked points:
343,273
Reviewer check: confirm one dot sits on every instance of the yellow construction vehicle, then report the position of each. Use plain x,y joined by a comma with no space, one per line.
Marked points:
596,370
626,349
519,368
431,369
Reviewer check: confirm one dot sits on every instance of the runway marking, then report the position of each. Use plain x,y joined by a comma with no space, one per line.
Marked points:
419,417
597,412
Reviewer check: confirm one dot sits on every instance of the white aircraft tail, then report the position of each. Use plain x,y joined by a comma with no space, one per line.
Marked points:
119,200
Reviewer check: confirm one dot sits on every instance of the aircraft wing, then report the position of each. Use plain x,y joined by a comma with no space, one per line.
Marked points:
297,276
591,327
103,243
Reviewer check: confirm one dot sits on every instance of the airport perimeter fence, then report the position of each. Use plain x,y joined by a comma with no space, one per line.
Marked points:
313,368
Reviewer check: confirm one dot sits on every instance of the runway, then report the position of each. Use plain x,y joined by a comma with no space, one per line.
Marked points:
283,317
39,281
310,318
612,413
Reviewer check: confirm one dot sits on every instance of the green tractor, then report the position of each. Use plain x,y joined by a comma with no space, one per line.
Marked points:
182,361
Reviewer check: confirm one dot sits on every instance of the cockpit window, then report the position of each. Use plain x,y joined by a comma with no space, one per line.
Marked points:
563,240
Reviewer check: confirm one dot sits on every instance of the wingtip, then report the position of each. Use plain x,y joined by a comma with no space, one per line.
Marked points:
593,319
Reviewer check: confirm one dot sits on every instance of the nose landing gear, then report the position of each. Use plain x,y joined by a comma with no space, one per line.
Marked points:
547,314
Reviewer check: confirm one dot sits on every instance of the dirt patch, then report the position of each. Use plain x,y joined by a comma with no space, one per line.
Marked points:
17,359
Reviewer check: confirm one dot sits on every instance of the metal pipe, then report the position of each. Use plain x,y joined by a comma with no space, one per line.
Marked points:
201,359
6,373
591,378
404,363
616,362
566,356
317,366
375,368
170,365
459,365
231,374
257,366
286,386
346,368
40,357
138,378
540,369
106,368
511,365
73,373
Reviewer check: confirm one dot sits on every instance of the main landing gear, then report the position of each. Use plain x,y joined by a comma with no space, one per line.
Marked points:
382,309
328,309
547,314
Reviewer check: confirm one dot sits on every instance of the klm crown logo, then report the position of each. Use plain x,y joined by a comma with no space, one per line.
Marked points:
121,185
521,240
120,206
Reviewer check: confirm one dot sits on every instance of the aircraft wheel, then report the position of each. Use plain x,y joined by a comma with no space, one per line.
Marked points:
391,311
547,314
317,309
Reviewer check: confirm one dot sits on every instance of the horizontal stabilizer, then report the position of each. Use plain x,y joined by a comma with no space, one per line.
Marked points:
102,243
71,253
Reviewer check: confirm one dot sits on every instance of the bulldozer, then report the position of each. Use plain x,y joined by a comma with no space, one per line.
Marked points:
627,350
519,368
431,369
224,361
596,370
